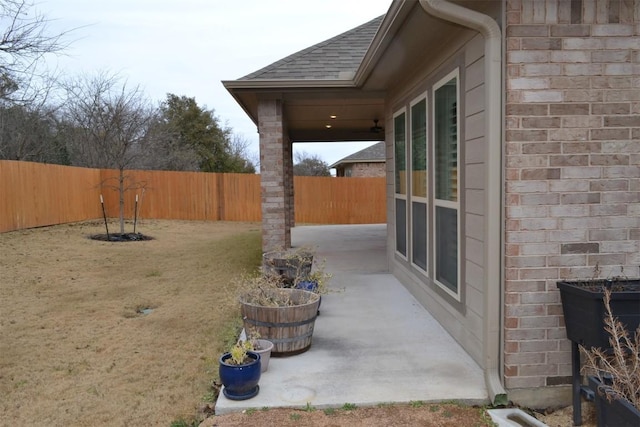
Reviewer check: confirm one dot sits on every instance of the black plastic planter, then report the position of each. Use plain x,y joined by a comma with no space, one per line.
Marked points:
614,413
584,312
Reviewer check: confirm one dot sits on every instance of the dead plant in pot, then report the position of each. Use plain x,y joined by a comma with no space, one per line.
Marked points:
316,280
284,316
269,290
614,373
288,264
584,314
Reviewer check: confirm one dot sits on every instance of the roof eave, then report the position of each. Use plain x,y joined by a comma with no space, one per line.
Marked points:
231,85
351,162
390,24
237,87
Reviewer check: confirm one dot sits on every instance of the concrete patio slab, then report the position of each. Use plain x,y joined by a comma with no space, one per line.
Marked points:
373,342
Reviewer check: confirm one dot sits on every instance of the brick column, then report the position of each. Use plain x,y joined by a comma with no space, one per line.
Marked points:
288,171
572,168
275,227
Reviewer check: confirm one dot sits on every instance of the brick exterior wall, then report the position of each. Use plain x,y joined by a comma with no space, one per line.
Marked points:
275,185
572,156
366,170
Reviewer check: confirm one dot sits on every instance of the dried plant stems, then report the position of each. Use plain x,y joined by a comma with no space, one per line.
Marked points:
621,363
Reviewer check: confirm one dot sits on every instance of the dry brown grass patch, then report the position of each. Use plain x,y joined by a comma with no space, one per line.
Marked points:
77,347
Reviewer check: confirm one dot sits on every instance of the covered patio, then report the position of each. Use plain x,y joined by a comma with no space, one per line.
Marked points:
373,342
380,82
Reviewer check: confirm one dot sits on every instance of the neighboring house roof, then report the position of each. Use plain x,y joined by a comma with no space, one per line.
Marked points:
373,154
335,59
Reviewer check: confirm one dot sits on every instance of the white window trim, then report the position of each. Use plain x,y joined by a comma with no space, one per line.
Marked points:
405,196
425,200
446,203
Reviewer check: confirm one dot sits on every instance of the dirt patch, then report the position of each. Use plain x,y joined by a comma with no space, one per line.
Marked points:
414,414
563,417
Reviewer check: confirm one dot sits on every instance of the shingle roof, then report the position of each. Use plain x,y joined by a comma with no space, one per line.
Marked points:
335,59
375,153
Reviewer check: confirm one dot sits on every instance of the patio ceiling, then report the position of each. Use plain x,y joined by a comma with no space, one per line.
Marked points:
309,112
355,97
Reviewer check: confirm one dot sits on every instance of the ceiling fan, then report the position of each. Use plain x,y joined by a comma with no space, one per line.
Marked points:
375,128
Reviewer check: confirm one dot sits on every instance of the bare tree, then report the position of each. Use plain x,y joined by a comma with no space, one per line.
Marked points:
24,41
27,123
310,165
107,126
29,133
240,156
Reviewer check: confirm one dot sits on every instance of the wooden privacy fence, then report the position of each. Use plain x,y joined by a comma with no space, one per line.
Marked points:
187,195
34,194
323,200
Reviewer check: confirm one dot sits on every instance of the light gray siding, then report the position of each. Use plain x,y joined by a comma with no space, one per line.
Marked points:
464,318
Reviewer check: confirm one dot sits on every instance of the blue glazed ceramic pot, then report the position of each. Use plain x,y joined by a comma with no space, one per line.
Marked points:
308,285
240,381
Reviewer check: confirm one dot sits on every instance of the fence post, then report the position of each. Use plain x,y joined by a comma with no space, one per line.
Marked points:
220,196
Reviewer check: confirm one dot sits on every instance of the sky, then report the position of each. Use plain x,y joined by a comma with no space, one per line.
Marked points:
188,47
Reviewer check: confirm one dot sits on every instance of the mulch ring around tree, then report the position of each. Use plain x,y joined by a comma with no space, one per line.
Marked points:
120,237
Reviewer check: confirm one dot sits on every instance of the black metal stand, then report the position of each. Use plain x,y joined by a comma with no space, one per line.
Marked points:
577,384
578,388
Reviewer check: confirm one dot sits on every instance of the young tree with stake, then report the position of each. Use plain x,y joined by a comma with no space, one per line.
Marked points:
107,126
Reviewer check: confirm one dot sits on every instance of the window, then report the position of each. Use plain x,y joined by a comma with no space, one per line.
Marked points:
426,137
419,184
446,197
400,159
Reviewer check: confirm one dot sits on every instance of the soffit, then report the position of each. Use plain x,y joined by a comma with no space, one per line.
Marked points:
418,38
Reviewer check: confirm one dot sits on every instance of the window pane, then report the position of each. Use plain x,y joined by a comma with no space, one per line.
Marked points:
419,231
419,149
401,226
399,132
446,141
447,247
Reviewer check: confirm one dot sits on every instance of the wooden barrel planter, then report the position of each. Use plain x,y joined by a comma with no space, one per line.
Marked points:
289,328
289,264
